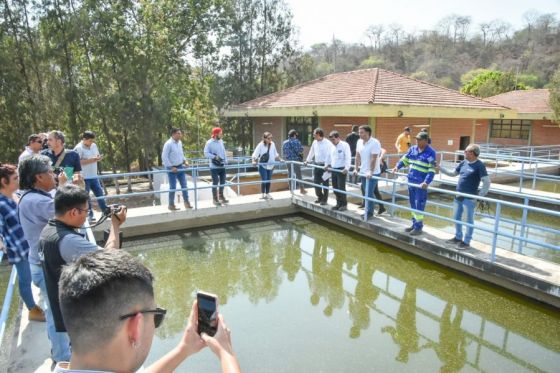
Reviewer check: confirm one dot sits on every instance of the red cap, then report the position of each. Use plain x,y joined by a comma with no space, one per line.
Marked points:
216,131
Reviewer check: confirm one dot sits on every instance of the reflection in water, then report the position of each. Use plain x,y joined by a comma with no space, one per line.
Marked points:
301,296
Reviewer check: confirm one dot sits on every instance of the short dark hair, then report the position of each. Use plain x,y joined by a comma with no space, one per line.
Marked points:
59,135
174,130
6,171
319,131
292,133
334,134
98,288
355,128
366,128
69,197
88,135
33,138
30,167
407,129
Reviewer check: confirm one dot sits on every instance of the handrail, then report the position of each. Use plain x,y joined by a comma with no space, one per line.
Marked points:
7,300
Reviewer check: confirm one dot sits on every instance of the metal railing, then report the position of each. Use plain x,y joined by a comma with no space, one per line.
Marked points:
6,305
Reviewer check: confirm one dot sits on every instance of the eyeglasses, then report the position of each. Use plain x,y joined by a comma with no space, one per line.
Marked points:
81,210
159,315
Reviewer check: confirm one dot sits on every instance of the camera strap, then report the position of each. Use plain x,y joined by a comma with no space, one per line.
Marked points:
60,158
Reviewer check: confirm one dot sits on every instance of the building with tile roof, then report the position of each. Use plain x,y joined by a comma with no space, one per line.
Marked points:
385,100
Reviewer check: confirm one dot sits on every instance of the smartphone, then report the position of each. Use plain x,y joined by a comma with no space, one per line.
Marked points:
207,313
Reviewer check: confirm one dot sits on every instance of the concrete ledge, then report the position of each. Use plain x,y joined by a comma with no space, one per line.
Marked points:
528,276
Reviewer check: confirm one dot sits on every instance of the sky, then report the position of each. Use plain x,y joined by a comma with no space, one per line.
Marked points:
318,20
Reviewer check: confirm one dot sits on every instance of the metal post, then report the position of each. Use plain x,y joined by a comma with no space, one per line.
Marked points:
495,234
238,180
367,199
521,177
292,178
195,176
393,194
523,225
535,168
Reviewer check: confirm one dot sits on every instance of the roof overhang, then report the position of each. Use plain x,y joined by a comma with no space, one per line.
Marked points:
536,116
376,110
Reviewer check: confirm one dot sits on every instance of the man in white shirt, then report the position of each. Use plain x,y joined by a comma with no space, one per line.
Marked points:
320,153
34,146
367,164
89,156
174,161
339,161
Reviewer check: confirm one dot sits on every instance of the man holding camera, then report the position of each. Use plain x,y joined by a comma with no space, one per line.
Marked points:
175,162
63,158
215,151
61,243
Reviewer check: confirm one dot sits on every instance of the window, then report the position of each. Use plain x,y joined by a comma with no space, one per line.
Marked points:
510,129
304,126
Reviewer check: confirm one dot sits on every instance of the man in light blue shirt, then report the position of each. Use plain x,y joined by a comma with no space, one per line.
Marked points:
36,207
215,151
174,160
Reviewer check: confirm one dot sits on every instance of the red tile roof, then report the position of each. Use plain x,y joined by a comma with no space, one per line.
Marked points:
370,86
530,101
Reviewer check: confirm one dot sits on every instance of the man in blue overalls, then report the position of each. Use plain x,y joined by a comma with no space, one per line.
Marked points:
421,160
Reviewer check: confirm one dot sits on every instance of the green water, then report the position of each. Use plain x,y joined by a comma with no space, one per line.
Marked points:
512,227
543,185
301,296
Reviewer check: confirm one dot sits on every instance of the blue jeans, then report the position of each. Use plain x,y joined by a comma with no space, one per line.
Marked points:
60,343
266,176
218,178
24,283
369,186
173,177
95,187
467,204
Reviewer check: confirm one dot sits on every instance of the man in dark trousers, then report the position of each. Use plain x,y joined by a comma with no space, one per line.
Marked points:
352,140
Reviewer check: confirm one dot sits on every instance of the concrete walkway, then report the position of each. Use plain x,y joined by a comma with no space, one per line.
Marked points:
529,276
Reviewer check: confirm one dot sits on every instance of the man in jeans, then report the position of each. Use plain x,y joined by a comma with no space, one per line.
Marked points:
36,207
215,151
89,156
367,165
174,160
292,150
471,172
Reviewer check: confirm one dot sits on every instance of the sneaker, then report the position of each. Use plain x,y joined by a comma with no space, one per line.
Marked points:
323,203
463,246
263,196
172,208
217,203
362,206
381,211
453,240
36,314
409,229
342,208
317,201
334,208
188,205
416,232
268,196
303,191
224,200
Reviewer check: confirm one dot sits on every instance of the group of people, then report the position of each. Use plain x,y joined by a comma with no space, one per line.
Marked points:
81,284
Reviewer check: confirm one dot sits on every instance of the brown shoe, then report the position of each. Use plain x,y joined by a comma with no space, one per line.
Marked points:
36,314
188,205
303,191
172,208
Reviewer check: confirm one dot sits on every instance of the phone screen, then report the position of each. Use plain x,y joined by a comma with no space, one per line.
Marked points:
207,313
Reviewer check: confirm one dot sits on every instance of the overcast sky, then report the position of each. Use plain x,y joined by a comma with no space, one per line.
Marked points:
318,20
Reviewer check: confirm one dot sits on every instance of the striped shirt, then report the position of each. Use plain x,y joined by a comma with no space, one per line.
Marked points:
11,231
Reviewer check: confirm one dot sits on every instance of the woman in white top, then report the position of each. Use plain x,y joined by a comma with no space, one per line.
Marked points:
265,155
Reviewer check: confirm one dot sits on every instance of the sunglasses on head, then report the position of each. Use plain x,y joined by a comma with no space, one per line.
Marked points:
159,315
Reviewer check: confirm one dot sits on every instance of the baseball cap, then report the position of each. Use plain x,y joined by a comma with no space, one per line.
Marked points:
216,131
422,136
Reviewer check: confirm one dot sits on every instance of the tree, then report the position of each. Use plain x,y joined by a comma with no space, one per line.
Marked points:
491,83
554,100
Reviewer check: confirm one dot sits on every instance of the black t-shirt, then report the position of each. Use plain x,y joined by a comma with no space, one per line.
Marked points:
352,139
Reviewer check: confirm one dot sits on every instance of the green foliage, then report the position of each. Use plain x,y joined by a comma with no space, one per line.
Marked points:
371,62
491,83
554,99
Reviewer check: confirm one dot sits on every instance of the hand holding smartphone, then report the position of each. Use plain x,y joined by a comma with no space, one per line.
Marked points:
207,313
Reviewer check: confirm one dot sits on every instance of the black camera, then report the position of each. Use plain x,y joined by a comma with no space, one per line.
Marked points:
58,170
114,209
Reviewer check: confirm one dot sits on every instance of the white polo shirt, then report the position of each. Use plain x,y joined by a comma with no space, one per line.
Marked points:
371,147
341,156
